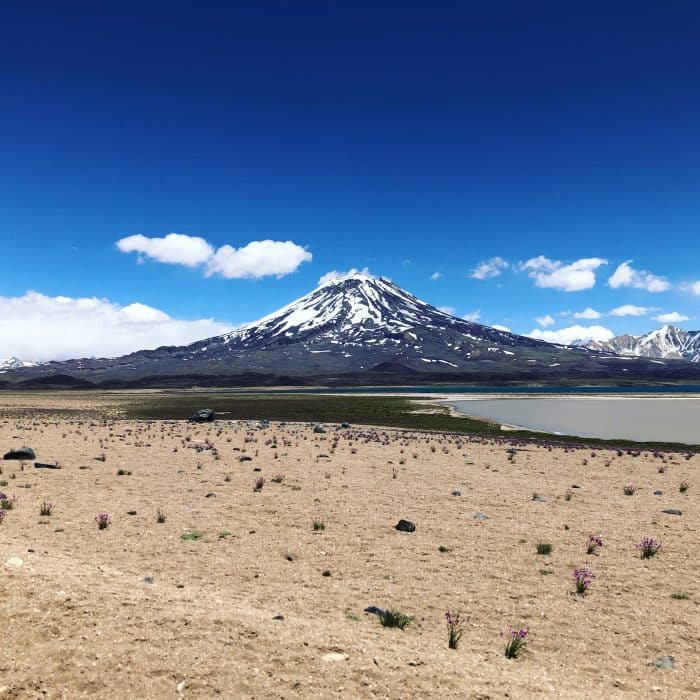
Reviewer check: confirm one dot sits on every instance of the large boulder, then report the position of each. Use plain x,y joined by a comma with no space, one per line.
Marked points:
25,454
203,415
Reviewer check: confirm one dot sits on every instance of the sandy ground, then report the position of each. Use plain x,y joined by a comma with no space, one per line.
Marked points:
81,618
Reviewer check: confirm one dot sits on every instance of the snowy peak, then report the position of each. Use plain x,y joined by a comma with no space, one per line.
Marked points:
15,363
666,343
349,307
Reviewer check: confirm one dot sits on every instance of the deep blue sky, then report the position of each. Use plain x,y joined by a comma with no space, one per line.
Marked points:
411,138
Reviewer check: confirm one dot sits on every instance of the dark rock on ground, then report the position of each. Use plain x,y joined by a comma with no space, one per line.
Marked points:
405,526
203,415
23,453
344,425
40,465
480,516
374,610
456,493
658,493
319,429
672,511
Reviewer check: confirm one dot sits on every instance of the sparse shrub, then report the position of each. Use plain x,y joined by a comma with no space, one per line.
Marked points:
661,469
319,526
7,503
259,483
683,486
393,618
46,508
160,516
103,521
194,535
629,490
583,578
649,547
594,543
227,478
544,548
568,494
455,629
123,472
515,642
278,478
680,596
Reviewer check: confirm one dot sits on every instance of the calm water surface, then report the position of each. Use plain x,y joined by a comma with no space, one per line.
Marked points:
672,419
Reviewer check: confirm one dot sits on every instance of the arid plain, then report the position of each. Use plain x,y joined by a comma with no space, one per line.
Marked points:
253,602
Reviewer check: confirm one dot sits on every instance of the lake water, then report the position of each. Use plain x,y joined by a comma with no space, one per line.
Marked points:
670,419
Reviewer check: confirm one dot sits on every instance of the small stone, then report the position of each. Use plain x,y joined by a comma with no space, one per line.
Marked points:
211,494
131,512
180,687
344,424
481,516
41,465
149,579
658,493
456,493
374,610
278,617
666,662
14,562
335,656
319,429
672,511
405,526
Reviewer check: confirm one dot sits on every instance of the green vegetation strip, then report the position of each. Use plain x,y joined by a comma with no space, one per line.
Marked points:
389,411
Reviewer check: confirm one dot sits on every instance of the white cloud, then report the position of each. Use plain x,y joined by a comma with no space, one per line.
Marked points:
257,259
673,317
566,336
695,288
630,310
175,248
252,261
335,276
39,327
489,268
554,274
447,309
588,313
498,327
436,275
545,321
473,316
626,276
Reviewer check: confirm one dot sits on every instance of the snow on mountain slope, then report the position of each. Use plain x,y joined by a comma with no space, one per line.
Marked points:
667,342
15,363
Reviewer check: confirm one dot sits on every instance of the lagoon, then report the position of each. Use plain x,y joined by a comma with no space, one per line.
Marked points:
643,419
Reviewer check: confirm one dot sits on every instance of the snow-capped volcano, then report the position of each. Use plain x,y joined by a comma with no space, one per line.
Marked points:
356,329
667,342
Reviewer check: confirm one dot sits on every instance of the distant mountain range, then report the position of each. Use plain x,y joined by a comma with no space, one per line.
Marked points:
355,330
665,343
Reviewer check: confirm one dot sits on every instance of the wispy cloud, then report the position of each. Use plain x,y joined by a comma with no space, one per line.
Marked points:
672,317
545,321
472,316
489,268
570,334
251,261
626,276
588,313
630,310
554,274
436,275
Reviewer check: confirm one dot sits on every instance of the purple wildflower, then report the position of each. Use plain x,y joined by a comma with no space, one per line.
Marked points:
515,641
594,542
649,547
102,520
583,578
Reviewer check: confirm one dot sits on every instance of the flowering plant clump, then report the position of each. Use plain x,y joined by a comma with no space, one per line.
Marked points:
103,521
649,547
3,513
455,629
515,641
583,578
7,503
594,543
629,490
46,508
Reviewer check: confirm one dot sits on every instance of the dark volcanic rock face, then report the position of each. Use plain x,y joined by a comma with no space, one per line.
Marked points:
356,327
